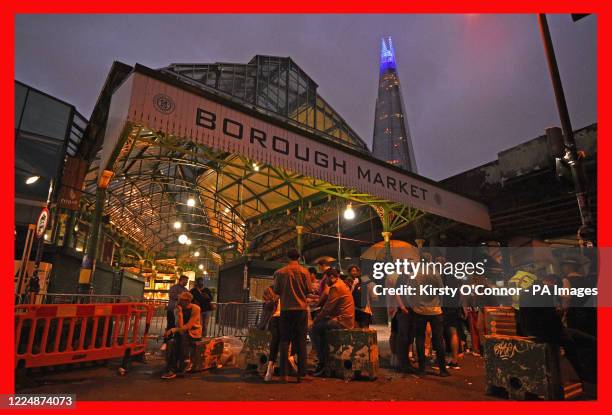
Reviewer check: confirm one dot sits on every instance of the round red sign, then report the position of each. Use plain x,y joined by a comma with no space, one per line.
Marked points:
41,222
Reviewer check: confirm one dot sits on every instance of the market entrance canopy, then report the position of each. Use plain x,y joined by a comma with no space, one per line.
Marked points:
166,106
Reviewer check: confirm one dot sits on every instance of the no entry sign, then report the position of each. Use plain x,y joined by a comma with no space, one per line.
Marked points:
41,222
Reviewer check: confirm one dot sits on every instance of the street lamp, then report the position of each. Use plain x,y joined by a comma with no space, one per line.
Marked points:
196,253
177,225
183,239
191,202
349,213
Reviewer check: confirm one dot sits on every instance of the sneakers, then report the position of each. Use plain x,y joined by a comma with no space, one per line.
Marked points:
188,366
453,365
269,372
169,375
163,347
319,371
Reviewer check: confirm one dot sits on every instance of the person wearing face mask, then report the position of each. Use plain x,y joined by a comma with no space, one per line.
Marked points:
338,312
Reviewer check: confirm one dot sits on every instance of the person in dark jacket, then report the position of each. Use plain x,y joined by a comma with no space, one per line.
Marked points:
542,320
203,297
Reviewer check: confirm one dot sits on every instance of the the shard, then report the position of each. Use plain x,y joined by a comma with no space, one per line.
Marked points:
392,142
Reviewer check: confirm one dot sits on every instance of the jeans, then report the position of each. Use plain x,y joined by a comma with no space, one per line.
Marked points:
205,320
472,318
437,338
318,336
293,329
274,328
178,350
405,337
170,319
362,319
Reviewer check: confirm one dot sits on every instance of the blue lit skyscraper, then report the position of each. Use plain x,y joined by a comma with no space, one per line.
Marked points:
392,141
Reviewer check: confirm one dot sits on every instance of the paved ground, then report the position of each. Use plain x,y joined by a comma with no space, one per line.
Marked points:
143,382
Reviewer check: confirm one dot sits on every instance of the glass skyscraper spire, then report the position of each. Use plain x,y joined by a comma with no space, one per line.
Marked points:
392,141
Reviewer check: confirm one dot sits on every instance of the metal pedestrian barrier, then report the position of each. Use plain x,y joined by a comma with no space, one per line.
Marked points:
227,319
57,334
234,319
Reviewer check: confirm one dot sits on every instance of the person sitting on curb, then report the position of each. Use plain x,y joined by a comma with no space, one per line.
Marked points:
338,312
181,338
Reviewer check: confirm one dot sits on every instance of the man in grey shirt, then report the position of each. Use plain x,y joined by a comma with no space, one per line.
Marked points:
173,295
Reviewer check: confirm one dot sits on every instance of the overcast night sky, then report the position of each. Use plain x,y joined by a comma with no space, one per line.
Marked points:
473,85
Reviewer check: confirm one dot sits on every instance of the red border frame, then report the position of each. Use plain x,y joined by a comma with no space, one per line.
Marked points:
12,7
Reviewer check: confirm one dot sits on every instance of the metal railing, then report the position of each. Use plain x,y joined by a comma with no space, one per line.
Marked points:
55,298
227,319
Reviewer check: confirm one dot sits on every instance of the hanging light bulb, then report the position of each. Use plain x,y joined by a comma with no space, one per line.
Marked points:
255,166
349,213
183,239
177,225
188,242
196,253
201,266
191,202
32,179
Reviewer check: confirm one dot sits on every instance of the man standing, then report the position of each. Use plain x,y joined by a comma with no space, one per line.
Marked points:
202,296
173,295
579,315
363,295
338,312
451,310
405,327
292,284
188,329
427,309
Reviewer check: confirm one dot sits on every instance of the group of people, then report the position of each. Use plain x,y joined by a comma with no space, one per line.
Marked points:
457,324
424,327
411,317
302,301
566,321
299,303
188,316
